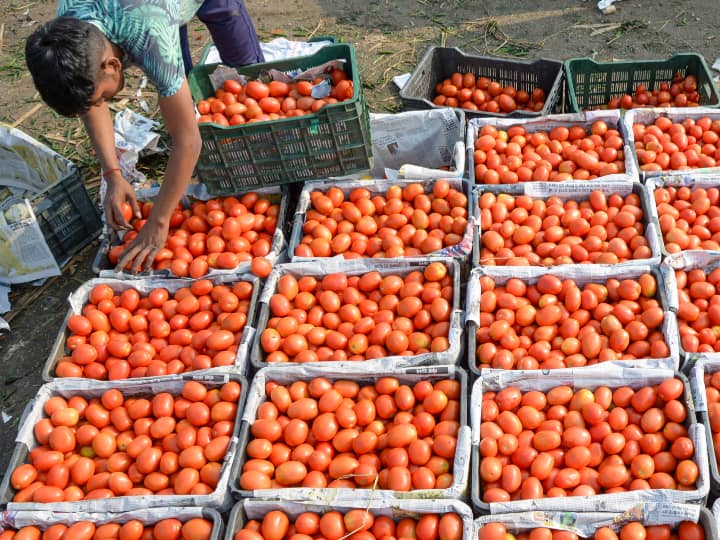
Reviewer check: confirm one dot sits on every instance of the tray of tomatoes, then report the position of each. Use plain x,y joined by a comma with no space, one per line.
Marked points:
560,147
314,433
674,141
552,224
623,437
705,383
189,523
207,236
382,219
125,445
124,329
696,282
394,314
533,318
653,521
685,208
372,518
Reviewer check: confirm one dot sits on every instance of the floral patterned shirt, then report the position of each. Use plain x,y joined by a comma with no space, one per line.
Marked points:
146,30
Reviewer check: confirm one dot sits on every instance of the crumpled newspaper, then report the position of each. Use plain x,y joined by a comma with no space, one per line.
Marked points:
134,134
426,139
277,49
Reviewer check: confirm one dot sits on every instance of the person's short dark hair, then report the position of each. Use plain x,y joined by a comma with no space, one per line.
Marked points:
64,57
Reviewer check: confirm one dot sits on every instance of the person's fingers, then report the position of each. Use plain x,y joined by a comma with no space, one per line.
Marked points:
127,256
120,219
109,217
146,255
114,216
135,207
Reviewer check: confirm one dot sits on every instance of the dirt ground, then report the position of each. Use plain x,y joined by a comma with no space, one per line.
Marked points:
390,36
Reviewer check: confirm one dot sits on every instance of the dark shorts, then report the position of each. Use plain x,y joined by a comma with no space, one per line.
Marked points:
232,32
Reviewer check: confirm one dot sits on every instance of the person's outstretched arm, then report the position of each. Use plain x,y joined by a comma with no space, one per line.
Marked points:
179,116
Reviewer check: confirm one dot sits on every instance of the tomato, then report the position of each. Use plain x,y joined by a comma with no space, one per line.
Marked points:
275,525
196,529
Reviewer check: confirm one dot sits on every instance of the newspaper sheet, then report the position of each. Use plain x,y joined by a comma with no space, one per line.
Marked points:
28,169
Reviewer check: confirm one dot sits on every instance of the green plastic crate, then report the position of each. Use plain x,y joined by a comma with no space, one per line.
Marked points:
591,85
331,142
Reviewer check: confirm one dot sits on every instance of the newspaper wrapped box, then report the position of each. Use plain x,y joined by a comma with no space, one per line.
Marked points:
79,299
332,496
612,376
25,442
400,267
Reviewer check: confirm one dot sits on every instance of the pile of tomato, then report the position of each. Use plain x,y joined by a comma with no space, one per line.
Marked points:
357,523
698,309
216,234
339,318
557,323
681,92
118,445
581,442
467,91
165,529
522,230
712,394
128,335
386,435
563,153
686,530
257,101
688,144
407,221
689,218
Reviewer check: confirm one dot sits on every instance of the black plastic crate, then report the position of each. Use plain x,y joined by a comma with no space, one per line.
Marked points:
438,63
67,217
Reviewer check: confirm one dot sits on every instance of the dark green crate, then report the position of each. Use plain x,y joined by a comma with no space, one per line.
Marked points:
591,85
438,63
67,217
331,142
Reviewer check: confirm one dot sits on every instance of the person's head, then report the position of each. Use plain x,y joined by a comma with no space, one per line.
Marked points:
73,65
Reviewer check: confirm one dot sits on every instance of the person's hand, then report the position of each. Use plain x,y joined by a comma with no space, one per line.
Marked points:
142,250
119,192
